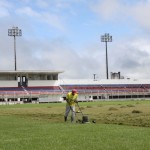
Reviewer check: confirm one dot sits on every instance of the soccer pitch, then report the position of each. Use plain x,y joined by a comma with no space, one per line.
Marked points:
120,125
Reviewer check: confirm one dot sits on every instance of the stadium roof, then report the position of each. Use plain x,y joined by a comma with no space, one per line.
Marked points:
30,71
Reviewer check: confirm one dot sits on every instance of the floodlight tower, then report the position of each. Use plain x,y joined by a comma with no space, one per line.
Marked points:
106,38
15,31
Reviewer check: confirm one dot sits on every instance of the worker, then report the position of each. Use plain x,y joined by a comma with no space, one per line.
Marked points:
71,100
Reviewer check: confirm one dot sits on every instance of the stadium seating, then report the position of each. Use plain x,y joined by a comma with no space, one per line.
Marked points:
29,90
107,88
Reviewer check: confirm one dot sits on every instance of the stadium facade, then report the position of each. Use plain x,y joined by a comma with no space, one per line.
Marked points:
45,86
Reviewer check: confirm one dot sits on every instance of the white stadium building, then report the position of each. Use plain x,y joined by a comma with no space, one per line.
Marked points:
45,86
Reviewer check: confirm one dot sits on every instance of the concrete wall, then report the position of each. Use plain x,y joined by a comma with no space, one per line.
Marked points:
30,83
8,83
43,83
103,81
51,98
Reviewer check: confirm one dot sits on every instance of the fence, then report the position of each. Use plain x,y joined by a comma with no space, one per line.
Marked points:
84,95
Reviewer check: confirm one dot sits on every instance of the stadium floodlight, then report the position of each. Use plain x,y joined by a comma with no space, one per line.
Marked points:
106,38
15,31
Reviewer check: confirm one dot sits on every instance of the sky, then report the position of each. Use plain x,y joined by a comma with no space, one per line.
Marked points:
65,35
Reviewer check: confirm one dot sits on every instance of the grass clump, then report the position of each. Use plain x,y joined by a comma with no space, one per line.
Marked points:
112,108
89,106
100,105
130,105
123,106
136,111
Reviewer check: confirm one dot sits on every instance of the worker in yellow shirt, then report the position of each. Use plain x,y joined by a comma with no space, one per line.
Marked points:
71,100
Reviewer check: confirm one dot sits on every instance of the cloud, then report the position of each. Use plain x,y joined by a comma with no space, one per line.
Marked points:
4,8
42,4
140,12
106,9
130,57
51,19
127,11
27,11
4,12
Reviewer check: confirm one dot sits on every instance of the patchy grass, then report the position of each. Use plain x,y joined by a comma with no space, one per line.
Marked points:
112,112
26,133
41,126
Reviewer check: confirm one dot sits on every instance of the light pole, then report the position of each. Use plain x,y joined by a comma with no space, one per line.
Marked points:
106,38
15,31
94,77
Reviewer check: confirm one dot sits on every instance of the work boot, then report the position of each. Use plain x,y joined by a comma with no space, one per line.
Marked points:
65,119
72,119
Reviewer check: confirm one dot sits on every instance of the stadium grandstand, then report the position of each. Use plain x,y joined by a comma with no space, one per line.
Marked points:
29,86
18,87
111,89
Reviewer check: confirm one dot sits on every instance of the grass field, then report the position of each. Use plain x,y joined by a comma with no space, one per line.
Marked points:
120,125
